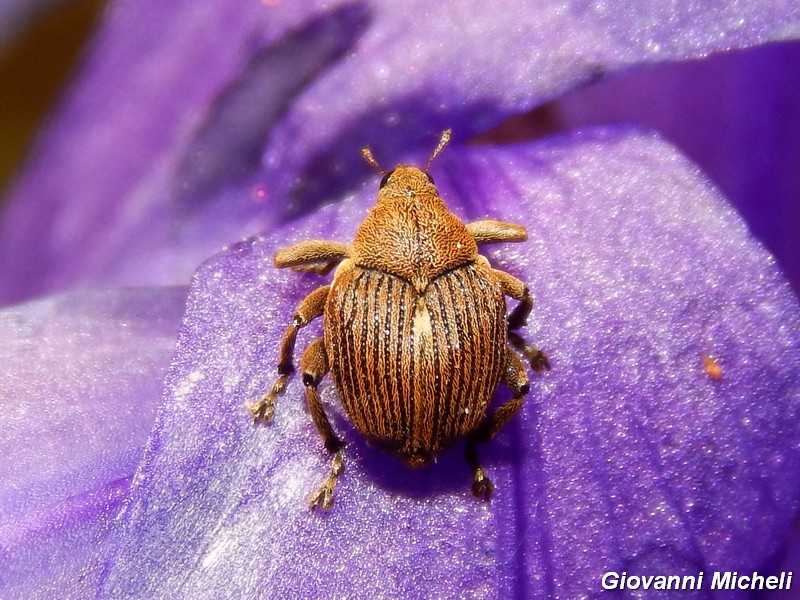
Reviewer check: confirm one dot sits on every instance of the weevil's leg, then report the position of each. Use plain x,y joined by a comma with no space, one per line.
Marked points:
312,255
538,360
310,308
515,377
519,291
319,269
323,495
490,231
482,486
516,289
314,366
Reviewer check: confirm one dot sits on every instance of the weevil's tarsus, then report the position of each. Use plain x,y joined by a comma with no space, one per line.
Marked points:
482,486
538,360
264,409
322,497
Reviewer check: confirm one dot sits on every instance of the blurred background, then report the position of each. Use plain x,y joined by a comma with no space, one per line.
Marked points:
38,51
737,114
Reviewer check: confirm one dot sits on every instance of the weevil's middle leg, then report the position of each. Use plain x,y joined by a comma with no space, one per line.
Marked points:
519,291
537,358
314,366
514,288
310,308
515,377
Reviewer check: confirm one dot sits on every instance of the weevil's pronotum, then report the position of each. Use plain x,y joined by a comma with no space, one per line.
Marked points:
416,334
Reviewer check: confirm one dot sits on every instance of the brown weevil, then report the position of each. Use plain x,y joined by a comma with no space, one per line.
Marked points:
416,334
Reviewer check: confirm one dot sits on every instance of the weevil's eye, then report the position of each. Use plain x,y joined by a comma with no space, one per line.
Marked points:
385,179
428,175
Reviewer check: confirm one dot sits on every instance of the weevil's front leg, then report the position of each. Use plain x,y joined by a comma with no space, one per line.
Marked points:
312,256
515,377
514,288
490,231
314,366
310,308
319,269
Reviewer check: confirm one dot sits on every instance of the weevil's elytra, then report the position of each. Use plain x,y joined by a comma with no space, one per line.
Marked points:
416,334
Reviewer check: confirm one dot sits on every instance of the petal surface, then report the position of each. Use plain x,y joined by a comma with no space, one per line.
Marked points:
81,378
630,455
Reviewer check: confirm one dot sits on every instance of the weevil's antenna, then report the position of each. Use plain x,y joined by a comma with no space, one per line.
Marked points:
443,141
367,154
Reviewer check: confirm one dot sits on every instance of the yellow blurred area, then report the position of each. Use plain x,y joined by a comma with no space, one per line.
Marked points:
33,71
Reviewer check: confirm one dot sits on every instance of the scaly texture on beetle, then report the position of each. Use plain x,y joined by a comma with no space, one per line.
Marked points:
416,334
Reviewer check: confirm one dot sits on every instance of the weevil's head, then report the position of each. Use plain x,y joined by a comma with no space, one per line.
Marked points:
405,181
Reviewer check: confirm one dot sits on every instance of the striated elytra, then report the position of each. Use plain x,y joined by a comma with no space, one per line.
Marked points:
416,334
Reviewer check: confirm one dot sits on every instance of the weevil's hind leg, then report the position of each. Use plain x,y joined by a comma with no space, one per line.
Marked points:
310,308
314,366
514,288
315,256
515,377
490,231
482,486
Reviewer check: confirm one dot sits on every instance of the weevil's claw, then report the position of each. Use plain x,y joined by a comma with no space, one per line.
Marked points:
263,409
538,359
322,497
482,486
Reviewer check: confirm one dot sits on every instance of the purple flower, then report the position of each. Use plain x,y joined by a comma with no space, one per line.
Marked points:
194,126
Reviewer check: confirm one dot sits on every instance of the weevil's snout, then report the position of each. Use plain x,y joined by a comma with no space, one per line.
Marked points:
405,181
418,460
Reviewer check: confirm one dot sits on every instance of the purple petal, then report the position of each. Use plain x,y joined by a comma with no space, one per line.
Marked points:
425,66
152,163
81,376
628,455
737,115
